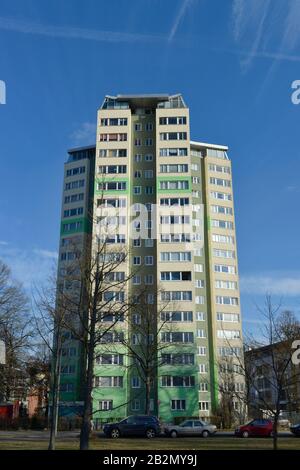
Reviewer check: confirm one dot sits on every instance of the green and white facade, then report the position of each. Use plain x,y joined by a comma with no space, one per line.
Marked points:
144,156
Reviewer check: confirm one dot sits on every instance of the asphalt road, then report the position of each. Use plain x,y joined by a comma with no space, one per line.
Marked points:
71,435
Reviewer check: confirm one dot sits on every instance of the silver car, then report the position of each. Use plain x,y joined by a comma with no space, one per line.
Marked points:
191,427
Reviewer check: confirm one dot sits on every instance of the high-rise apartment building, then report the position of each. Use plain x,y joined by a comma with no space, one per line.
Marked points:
177,221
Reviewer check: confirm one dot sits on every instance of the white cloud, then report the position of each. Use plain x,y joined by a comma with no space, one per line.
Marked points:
46,253
68,32
182,10
273,283
3,243
249,19
31,266
86,133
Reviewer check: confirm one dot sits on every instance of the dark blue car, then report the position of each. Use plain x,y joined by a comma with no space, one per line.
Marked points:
147,426
295,429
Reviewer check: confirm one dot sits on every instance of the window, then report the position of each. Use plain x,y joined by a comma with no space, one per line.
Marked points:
117,296
176,295
222,238
109,381
148,157
110,359
137,190
177,381
66,387
75,171
178,405
229,351
137,242
148,279
201,333
185,316
175,238
137,142
138,158
228,317
175,219
112,337
113,122
218,195
136,405
200,316
223,253
179,184
138,127
220,284
112,186
136,280
203,387
136,260
68,369
201,351
199,299
116,202
176,276
148,174
173,120
148,142
174,168
174,201
177,359
136,318
224,300
73,212
220,182
74,185
177,337
224,268
202,368
135,382
149,126
173,136
149,243
112,137
173,152
149,190
149,260
199,283
228,334
203,405
221,224
112,169
105,405
138,174
221,210
175,256
219,168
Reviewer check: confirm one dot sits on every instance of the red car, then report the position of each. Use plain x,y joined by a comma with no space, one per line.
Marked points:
256,428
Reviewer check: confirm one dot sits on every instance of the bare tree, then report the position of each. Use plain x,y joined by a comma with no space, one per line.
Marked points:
269,373
145,340
95,301
15,332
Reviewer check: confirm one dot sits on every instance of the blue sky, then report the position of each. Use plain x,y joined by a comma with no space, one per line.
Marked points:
233,61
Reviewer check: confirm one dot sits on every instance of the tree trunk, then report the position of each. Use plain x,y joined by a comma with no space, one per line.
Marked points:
275,433
148,390
55,399
87,406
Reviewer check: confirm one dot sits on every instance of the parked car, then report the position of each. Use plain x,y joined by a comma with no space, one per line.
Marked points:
255,427
147,426
295,429
190,427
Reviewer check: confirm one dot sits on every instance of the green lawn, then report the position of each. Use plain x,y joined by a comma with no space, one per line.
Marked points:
222,443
